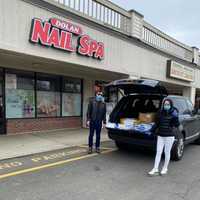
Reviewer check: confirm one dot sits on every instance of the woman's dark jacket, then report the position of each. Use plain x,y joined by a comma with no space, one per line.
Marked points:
166,122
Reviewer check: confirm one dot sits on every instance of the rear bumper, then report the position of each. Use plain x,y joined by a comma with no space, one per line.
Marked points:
132,138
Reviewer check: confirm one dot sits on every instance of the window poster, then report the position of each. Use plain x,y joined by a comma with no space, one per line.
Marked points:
48,104
71,104
20,103
11,81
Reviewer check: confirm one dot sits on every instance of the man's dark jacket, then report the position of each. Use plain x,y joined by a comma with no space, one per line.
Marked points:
96,111
166,122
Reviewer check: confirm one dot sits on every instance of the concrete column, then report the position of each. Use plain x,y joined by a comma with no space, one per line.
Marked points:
195,58
136,24
88,91
190,92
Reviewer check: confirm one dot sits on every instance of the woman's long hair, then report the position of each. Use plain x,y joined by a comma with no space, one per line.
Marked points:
171,104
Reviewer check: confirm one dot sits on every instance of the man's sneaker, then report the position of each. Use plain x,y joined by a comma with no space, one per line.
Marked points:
90,150
153,172
163,172
98,150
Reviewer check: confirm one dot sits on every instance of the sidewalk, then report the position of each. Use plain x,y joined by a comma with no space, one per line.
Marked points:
27,144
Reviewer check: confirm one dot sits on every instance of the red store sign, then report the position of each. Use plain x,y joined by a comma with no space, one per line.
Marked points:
59,34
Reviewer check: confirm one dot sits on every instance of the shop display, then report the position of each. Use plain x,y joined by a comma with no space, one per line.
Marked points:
71,104
48,104
20,103
11,81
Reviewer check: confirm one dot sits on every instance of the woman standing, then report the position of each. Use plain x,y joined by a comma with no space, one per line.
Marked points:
167,120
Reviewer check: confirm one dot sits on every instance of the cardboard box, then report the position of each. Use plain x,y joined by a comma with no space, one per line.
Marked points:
147,117
127,121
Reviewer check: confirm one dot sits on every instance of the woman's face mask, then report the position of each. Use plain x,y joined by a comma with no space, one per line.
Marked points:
167,106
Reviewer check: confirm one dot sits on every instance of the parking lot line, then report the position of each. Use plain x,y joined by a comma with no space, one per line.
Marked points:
33,169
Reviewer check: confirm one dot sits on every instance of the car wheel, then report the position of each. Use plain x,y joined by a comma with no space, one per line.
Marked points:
121,145
197,141
178,149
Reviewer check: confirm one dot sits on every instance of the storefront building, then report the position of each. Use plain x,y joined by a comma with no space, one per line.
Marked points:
53,53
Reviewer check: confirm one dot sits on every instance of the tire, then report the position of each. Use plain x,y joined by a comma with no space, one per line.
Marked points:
121,145
197,142
178,149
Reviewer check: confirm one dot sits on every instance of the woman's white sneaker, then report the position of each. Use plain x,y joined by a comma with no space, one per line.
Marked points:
163,172
153,172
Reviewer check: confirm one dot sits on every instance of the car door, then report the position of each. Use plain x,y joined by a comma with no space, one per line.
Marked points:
195,125
184,115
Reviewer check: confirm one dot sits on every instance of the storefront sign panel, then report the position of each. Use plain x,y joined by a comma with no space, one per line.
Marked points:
176,70
59,34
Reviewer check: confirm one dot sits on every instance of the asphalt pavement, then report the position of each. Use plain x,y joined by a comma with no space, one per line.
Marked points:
72,174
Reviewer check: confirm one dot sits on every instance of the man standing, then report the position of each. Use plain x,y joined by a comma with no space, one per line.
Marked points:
96,117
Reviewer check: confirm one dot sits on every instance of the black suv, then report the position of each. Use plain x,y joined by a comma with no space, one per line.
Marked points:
151,90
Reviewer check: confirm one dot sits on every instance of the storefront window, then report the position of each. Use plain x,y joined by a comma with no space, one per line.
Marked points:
71,97
20,95
48,96
20,98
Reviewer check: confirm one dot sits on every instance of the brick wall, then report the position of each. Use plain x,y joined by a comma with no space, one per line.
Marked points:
18,126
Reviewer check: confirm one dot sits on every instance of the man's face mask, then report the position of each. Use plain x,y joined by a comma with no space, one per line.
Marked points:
99,97
167,106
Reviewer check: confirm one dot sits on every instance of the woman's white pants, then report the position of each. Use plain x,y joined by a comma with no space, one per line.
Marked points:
165,143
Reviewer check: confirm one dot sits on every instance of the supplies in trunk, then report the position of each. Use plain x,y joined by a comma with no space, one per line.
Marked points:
147,117
143,125
128,121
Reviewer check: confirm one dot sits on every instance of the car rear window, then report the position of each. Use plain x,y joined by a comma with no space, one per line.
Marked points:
132,105
146,103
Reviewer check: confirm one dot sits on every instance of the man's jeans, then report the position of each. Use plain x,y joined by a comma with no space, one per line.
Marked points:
95,126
